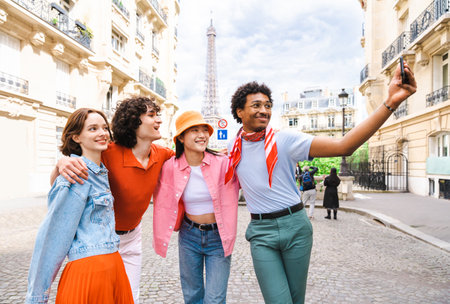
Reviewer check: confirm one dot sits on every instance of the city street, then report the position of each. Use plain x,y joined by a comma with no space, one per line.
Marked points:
354,260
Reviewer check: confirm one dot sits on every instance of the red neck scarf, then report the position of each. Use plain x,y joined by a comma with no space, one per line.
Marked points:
270,149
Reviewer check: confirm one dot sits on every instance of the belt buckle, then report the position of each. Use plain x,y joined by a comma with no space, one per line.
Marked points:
200,227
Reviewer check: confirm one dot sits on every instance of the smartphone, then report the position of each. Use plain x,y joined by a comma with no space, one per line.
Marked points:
402,71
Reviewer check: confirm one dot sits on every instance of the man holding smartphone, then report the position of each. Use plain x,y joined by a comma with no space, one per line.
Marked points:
280,233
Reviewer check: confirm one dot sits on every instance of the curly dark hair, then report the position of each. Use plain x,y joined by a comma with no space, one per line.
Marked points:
127,120
240,96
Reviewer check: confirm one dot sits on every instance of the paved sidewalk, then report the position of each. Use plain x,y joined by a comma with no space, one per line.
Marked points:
354,260
425,218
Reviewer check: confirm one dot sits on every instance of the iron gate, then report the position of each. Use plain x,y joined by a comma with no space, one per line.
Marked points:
385,171
397,172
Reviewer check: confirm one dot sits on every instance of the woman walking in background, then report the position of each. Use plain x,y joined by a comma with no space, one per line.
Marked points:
331,199
80,224
194,180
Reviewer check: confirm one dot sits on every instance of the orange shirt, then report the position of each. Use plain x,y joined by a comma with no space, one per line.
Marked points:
131,184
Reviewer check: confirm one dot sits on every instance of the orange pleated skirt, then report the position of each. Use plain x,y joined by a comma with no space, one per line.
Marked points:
95,279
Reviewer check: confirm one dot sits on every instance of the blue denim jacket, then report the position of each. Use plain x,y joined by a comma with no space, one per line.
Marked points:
79,223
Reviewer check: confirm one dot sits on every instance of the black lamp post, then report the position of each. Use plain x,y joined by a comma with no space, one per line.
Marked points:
343,98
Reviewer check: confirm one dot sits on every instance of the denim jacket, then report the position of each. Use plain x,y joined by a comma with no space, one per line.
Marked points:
79,223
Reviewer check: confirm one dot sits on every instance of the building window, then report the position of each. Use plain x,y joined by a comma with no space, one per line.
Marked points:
10,54
445,70
431,187
293,122
62,80
300,104
66,4
314,104
330,121
139,26
443,145
109,105
348,119
155,43
313,121
286,107
118,42
59,132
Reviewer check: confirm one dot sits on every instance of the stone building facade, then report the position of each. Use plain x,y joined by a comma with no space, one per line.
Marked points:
419,130
318,111
62,55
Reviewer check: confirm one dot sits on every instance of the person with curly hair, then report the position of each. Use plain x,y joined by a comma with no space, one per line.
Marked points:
134,163
280,233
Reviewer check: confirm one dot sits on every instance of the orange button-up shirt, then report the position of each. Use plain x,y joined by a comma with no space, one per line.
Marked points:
131,184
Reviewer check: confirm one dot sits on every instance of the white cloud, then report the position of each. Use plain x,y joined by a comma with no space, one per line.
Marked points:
288,44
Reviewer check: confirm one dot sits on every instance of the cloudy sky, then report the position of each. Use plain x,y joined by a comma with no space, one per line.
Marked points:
288,44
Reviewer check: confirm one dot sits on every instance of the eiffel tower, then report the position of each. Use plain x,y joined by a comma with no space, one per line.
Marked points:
211,102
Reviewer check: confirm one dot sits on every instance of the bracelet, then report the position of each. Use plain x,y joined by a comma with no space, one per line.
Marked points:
388,107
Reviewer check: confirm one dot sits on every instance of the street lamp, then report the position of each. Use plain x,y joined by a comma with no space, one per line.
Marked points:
343,99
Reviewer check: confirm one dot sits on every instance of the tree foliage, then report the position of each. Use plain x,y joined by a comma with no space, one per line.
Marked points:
326,163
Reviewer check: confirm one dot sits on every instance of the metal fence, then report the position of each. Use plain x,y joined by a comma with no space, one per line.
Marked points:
437,96
432,13
54,15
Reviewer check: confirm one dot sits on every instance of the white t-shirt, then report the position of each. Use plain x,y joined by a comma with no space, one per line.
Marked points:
196,197
252,172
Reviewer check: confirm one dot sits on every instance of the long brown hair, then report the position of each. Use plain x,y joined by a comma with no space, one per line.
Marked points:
74,126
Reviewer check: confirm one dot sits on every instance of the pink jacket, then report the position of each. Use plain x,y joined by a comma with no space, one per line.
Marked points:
166,198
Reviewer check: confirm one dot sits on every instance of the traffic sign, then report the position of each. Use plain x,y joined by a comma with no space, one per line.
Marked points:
222,123
222,134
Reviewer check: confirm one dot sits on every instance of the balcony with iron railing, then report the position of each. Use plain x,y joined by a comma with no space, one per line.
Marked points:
364,74
395,48
140,35
160,88
122,8
56,16
13,83
146,80
329,127
402,110
66,100
424,21
428,17
437,96
158,9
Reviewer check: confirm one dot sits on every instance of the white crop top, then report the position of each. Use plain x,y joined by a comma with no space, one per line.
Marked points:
196,197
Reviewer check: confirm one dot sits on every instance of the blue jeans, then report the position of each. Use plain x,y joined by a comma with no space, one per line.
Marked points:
197,248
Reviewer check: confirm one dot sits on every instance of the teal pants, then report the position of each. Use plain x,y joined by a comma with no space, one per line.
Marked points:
281,249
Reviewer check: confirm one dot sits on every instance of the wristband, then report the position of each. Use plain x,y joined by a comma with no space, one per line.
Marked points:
388,107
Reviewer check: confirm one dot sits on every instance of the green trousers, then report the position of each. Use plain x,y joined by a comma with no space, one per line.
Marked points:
281,249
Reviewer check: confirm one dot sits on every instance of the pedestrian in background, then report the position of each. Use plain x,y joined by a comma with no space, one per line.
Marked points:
80,224
308,188
330,198
194,180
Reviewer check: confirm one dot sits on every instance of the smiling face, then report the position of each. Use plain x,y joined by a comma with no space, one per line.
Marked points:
94,137
256,113
195,139
149,128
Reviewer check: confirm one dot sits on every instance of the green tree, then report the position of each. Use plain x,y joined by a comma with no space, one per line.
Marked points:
326,163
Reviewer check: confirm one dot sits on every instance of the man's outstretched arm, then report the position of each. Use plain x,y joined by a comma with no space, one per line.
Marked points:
322,146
